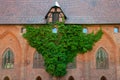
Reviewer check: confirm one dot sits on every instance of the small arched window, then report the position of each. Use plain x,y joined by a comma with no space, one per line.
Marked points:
38,78
103,78
6,78
38,61
70,78
8,59
101,59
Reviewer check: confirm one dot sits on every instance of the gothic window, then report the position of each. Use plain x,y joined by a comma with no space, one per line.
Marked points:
6,78
38,61
8,59
72,65
38,78
101,59
70,78
103,78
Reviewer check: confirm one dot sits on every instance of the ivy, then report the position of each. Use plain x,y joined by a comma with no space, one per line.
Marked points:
59,49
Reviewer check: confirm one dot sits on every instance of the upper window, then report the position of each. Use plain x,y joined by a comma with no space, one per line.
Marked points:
23,30
85,30
38,61
116,30
101,59
55,14
54,30
55,17
8,59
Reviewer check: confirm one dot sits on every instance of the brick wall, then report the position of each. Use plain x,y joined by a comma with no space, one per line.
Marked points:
11,37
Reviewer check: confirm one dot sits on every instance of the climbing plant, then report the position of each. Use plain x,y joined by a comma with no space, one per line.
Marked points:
61,47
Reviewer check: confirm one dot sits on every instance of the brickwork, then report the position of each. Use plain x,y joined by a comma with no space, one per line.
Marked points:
11,37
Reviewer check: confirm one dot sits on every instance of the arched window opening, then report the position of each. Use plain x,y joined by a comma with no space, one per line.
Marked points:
103,78
70,78
6,78
38,61
8,59
101,59
38,78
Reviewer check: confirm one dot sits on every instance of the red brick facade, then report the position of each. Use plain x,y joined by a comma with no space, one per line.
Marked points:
11,37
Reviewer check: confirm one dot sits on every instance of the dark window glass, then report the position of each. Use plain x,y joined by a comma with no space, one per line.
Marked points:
101,59
8,59
38,61
55,17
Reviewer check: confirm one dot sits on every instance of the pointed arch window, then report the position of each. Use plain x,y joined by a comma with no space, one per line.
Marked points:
101,59
38,61
6,78
8,59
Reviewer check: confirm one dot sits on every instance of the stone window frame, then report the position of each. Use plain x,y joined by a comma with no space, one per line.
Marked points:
102,61
8,59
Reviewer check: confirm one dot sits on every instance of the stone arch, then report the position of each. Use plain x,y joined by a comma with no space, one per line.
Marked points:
12,40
